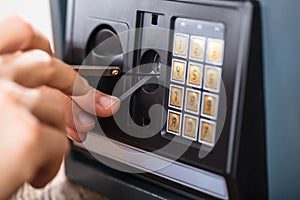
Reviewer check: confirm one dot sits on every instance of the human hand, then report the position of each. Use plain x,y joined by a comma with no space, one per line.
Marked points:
38,95
27,60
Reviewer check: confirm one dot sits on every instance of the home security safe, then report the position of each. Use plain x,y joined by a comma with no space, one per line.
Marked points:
189,74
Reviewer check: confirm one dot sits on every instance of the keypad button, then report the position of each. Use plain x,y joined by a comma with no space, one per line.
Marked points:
195,75
174,122
178,71
212,79
190,127
207,132
215,50
176,96
197,48
181,44
210,105
192,101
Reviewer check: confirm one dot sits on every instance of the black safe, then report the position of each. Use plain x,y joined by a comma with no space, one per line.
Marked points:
201,61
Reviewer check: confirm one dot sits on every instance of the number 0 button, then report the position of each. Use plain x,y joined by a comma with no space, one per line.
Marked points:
190,127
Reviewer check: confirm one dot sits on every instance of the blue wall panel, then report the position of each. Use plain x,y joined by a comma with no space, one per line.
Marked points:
281,35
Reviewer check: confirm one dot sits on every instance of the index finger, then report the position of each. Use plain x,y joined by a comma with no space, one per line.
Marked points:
17,34
35,68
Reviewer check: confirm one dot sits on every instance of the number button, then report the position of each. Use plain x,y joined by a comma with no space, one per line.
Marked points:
207,132
210,105
195,75
190,127
197,48
192,101
181,44
176,96
178,71
215,50
212,78
174,122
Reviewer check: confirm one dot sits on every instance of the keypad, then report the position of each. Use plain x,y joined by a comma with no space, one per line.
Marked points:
195,81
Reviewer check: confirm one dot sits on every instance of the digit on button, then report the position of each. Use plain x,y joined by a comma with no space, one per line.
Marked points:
181,44
174,122
210,105
195,75
190,127
215,50
207,132
212,78
192,101
197,48
176,96
178,71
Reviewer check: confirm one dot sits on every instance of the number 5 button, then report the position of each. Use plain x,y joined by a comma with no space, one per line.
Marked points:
195,75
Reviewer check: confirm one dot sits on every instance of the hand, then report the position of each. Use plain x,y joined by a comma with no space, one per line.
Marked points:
32,144
38,93
26,59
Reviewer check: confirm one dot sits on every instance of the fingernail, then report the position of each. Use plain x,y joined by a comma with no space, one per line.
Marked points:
85,120
107,102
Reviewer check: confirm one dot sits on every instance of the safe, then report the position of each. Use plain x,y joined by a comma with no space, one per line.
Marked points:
189,74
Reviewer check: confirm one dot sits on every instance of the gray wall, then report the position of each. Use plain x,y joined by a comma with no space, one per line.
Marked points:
281,29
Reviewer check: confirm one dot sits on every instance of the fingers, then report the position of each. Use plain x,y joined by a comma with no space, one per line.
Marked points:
98,103
35,68
55,147
16,34
77,120
37,147
46,108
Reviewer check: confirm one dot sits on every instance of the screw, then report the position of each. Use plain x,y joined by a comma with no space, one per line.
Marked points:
115,72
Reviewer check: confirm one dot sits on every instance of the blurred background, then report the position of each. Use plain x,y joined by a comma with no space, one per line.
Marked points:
37,12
